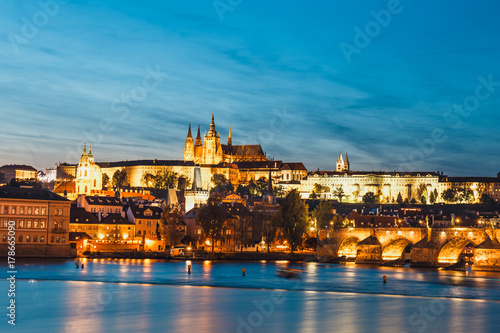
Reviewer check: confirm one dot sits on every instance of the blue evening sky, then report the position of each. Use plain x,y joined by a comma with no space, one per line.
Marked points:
293,76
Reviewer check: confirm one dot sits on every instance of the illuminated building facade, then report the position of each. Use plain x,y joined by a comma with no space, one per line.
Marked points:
41,220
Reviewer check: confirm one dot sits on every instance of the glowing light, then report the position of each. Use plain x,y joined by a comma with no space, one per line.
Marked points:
188,262
207,242
443,233
399,232
101,236
125,236
312,229
189,248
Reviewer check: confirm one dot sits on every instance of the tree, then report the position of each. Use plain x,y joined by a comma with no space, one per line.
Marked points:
221,184
171,220
436,194
466,195
355,195
262,185
413,201
105,180
449,195
323,214
270,222
421,191
242,190
399,200
211,218
243,230
279,191
293,219
120,179
369,198
339,221
2,178
485,198
183,183
339,193
423,200
165,180
432,198
147,179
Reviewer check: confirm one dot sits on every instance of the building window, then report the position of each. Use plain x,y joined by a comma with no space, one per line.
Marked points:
35,224
29,210
5,223
139,232
63,240
20,238
37,211
57,239
42,224
4,238
35,239
44,211
42,239
28,224
21,210
6,209
149,223
21,224
52,239
13,210
28,238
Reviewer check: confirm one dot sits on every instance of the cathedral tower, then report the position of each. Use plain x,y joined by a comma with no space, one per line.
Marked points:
189,146
340,163
347,166
212,149
198,148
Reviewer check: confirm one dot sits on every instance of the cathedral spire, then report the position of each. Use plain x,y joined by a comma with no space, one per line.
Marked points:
346,163
229,138
84,149
90,151
212,127
340,163
198,138
189,131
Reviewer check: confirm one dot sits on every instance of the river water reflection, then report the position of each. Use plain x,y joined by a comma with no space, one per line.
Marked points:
158,296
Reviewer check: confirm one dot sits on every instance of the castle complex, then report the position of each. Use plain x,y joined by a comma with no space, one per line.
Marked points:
242,164
211,151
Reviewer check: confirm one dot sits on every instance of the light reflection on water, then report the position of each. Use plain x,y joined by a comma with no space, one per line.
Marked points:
155,295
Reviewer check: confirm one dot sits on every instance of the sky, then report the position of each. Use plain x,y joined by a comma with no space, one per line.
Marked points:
398,85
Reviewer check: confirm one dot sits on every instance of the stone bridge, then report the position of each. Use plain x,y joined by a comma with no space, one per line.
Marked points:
434,247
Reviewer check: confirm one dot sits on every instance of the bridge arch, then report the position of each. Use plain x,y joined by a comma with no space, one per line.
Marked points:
348,247
450,252
395,249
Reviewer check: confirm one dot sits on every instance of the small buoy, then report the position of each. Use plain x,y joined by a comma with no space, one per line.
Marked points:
243,271
189,269
385,278
83,265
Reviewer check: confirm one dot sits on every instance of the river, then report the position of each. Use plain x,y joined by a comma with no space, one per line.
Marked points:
160,296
